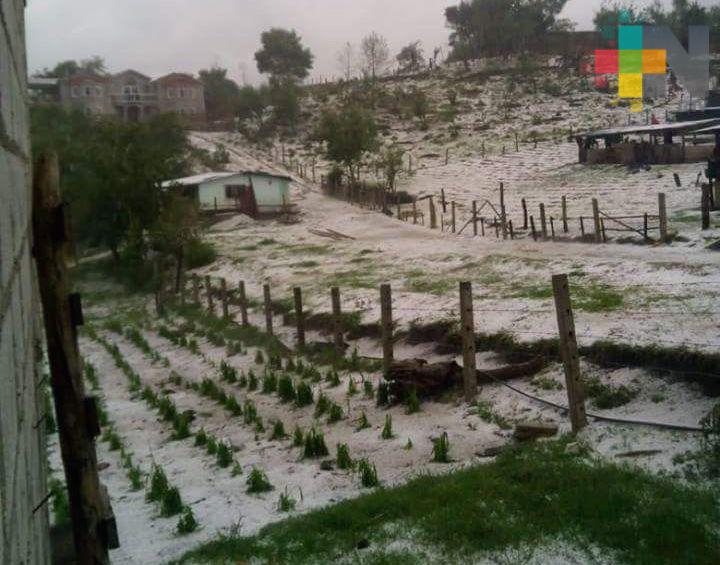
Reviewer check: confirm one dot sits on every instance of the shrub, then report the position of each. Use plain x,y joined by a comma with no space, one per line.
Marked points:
298,437
710,453
383,394
333,379
286,389
61,504
304,395
249,411
368,390
243,381
335,414
158,485
136,478
232,405
286,503
387,432
228,373
211,446
171,503
368,474
352,387
181,427
441,449
269,383
259,426
408,445
363,423
278,432
187,523
252,380
236,470
343,459
412,404
257,482
607,397
259,358
322,405
199,254
224,455
201,438
315,445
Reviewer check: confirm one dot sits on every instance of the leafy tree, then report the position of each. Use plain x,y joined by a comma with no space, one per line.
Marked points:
93,65
177,227
285,97
411,57
375,54
283,56
391,162
221,93
349,134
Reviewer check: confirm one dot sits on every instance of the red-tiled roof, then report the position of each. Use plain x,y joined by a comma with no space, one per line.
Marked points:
178,78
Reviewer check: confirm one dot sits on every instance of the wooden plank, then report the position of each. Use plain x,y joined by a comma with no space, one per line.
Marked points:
243,304
564,215
543,222
337,321
454,227
299,317
224,298
467,329
268,310
706,205
596,220
662,212
569,352
503,211
51,247
475,217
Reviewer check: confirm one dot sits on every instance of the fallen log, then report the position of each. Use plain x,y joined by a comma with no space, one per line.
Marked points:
432,380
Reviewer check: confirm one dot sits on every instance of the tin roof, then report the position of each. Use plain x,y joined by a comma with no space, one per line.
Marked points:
657,129
209,177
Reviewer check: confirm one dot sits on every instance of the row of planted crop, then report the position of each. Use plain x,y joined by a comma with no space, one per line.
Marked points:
159,490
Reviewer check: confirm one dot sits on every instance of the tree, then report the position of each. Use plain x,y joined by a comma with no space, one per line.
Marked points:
283,56
346,61
375,54
391,162
221,93
253,107
349,134
177,227
285,97
411,57
93,65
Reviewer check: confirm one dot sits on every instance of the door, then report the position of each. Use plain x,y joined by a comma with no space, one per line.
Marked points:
244,197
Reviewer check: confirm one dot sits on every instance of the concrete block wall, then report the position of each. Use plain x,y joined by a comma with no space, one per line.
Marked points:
24,535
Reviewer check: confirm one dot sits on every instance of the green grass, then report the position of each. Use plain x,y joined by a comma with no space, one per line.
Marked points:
528,496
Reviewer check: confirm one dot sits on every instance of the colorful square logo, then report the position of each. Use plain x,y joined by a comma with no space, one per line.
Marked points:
630,62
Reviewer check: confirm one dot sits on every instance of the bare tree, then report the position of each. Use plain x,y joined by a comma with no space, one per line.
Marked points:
375,54
346,61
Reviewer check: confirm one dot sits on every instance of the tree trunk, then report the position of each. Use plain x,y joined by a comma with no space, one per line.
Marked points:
180,259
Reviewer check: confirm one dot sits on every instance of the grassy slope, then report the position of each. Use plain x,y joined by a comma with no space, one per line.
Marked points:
528,496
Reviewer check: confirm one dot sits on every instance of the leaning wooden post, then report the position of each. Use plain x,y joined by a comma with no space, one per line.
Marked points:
454,227
564,215
447,155
299,317
512,231
386,322
532,227
596,220
475,218
196,290
224,298
268,310
209,291
525,214
569,352
337,321
443,201
543,221
662,207
93,523
552,228
706,204
243,304
433,214
467,321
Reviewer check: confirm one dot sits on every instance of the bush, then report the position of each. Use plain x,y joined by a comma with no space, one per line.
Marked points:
187,523
363,423
158,485
201,438
336,413
269,383
368,474
343,459
322,405
199,254
387,431
315,445
383,394
257,482
412,404
441,449
286,389
171,503
286,503
224,455
278,432
298,437
304,395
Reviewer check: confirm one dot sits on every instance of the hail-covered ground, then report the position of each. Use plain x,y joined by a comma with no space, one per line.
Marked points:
633,293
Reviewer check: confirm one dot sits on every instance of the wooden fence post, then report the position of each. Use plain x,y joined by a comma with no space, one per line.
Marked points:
453,217
662,212
596,220
525,214
706,204
532,228
387,326
443,201
482,226
512,231
337,321
433,214
243,304
582,226
552,228
503,211
467,321
268,310
716,198
224,298
196,290
474,218
543,221
569,352
299,317
447,156
209,291
415,214
564,215
93,523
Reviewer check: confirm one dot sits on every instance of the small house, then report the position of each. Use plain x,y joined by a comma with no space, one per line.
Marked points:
253,193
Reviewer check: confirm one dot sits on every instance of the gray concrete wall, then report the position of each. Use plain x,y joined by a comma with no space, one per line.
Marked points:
23,534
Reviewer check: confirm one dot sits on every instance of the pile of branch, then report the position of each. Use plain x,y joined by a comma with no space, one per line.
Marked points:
331,234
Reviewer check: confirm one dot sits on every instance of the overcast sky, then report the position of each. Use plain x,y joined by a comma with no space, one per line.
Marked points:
159,36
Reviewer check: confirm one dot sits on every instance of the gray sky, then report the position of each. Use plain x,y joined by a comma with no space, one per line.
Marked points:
159,36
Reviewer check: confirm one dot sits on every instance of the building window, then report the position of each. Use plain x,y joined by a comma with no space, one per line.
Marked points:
171,93
88,91
235,190
75,91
